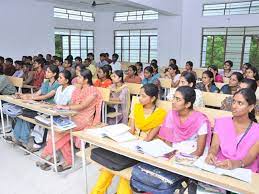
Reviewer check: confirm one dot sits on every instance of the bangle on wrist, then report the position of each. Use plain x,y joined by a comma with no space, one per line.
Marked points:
242,165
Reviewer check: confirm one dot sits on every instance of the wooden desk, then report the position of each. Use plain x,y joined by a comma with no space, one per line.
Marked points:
224,182
42,108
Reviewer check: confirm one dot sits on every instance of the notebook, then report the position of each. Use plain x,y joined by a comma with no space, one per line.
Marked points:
238,173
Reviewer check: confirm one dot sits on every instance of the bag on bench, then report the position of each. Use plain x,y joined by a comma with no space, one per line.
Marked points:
111,160
147,178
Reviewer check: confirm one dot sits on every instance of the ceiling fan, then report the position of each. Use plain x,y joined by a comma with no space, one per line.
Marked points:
94,4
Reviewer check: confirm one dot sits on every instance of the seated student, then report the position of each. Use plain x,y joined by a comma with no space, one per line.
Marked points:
104,79
8,68
58,63
245,66
86,100
48,88
102,61
148,78
39,73
188,68
78,69
139,67
6,87
132,76
227,72
244,83
120,93
19,69
145,120
154,65
252,73
115,64
188,79
78,61
217,76
68,66
173,73
90,66
185,129
207,84
234,80
172,62
107,58
235,142
28,74
91,56
1,63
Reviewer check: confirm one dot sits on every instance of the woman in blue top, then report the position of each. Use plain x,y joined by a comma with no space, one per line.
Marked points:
207,84
233,84
48,88
148,78
154,65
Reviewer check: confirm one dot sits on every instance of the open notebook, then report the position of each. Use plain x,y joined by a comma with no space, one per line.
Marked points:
238,173
119,132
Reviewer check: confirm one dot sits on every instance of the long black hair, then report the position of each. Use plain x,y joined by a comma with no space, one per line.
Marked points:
151,90
210,75
190,78
188,93
67,76
175,67
134,69
256,76
119,73
54,69
250,97
86,74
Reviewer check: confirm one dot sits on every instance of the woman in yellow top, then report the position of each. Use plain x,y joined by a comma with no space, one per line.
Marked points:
145,121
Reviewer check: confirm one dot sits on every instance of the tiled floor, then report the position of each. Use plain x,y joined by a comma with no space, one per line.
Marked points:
19,175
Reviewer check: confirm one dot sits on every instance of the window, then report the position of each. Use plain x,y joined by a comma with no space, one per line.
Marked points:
74,42
240,45
235,8
73,14
136,45
135,15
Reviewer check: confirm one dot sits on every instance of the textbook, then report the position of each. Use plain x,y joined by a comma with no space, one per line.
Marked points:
119,132
63,123
155,148
238,173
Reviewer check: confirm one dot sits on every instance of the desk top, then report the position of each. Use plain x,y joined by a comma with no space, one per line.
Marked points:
36,106
225,182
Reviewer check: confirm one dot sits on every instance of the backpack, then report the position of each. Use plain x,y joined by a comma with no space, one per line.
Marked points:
22,130
111,160
147,178
12,110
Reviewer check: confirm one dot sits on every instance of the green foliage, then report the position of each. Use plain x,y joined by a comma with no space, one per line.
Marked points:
254,52
58,46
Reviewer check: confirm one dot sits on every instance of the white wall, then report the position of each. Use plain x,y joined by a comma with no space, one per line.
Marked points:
27,28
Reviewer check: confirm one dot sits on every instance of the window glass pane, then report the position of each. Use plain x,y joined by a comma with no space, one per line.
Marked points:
252,31
134,42
58,45
61,15
153,54
144,42
136,15
60,10
148,32
132,13
83,54
134,56
235,31
215,6
90,43
65,44
88,19
125,55
75,42
75,53
75,17
117,42
135,32
86,14
144,56
75,32
132,18
73,12
65,53
150,17
87,33
153,42
122,14
62,31
214,31
119,53
122,33
83,43
125,42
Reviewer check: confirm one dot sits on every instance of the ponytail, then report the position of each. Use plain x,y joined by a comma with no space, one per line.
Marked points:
251,116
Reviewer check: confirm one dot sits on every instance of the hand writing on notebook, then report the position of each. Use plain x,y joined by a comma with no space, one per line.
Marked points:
62,107
229,164
211,159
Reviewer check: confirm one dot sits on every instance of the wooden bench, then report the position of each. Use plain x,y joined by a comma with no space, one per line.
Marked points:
213,99
18,82
134,89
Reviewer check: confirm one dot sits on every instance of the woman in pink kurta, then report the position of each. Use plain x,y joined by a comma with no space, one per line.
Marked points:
86,100
235,141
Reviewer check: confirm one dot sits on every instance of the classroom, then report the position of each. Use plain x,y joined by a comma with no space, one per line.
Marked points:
129,97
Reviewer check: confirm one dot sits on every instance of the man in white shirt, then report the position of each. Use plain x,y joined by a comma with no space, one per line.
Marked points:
115,64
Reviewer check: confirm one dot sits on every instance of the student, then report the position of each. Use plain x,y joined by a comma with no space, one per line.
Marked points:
189,67
139,66
91,56
217,76
48,88
207,84
115,64
6,87
68,66
120,93
48,57
58,63
185,129
235,142
154,65
245,66
78,60
172,61
173,73
102,61
148,78
78,69
86,100
245,83
39,73
227,72
1,63
28,74
90,66
252,73
19,69
132,76
188,79
8,69
234,80
104,79
107,58
145,120
64,92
